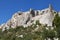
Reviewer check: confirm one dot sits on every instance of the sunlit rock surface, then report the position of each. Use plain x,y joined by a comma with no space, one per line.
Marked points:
27,18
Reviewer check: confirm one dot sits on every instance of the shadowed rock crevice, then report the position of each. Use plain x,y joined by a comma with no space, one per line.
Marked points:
32,13
27,20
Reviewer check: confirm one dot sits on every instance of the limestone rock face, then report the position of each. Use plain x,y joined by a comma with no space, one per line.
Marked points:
19,20
44,16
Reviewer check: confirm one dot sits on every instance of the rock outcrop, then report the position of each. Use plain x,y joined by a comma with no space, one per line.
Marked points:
25,19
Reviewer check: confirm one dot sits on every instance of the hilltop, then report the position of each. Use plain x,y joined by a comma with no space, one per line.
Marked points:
45,17
32,25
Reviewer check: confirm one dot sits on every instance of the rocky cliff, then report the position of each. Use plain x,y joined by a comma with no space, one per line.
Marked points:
27,18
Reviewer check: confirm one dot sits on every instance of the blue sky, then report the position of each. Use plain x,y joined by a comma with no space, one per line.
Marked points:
9,7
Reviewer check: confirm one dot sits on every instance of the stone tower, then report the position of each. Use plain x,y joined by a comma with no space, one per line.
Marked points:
50,7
